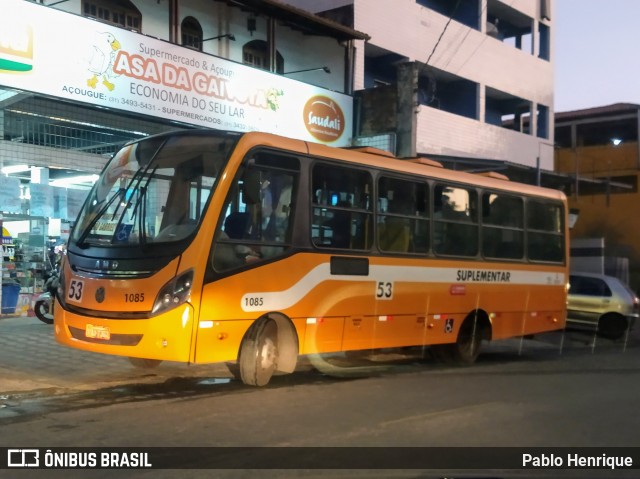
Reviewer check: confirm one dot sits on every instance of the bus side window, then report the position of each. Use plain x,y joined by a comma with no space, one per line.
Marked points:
257,219
502,226
342,208
545,238
455,221
402,216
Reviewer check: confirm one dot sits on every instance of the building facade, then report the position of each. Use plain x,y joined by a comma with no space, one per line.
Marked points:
598,147
79,78
467,82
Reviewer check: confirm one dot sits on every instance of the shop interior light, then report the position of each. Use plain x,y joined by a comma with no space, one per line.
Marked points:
74,180
9,170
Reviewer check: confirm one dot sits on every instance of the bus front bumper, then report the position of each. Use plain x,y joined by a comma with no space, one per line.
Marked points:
167,336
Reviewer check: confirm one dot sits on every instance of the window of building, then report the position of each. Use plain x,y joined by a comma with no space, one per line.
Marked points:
507,111
121,13
603,132
191,33
629,181
509,26
256,53
544,37
563,136
543,121
342,209
449,93
380,66
402,222
466,12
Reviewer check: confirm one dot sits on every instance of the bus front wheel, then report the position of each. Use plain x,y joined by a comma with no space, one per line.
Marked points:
259,353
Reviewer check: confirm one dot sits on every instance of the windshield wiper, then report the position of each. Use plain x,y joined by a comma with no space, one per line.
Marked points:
97,216
141,189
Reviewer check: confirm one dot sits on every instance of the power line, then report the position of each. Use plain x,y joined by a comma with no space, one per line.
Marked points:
443,31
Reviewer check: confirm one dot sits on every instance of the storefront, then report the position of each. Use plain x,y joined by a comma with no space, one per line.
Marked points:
67,102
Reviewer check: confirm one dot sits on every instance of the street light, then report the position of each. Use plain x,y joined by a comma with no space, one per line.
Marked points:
324,69
230,36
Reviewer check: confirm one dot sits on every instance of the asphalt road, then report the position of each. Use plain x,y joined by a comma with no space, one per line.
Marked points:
560,390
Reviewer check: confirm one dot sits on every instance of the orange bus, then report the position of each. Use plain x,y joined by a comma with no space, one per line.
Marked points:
253,249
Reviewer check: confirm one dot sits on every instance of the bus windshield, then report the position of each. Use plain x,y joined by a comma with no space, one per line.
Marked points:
154,190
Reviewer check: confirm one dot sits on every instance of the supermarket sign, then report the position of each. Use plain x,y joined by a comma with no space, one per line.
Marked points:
115,68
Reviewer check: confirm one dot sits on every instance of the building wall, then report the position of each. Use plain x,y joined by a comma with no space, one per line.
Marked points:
463,51
604,213
447,134
606,210
411,30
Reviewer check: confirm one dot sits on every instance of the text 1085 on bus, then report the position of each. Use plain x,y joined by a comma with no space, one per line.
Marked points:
205,246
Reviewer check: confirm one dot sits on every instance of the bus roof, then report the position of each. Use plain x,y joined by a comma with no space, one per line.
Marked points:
415,166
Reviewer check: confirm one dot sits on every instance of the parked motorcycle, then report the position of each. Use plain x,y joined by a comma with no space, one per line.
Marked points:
43,307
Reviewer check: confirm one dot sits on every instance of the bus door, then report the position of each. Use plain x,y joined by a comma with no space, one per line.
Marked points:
254,232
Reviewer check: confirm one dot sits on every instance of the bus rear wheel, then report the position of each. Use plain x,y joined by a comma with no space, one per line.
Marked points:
259,353
466,349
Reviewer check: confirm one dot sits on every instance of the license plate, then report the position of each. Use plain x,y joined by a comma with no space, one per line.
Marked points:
97,332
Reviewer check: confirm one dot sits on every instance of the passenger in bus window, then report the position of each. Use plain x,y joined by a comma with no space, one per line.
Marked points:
395,233
276,209
340,225
228,253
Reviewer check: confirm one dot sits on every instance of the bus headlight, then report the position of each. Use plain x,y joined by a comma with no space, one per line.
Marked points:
174,293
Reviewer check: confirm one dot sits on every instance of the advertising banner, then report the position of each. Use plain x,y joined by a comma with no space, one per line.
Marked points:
41,200
10,195
47,51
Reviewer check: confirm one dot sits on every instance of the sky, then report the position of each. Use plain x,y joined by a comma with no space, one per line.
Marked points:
597,53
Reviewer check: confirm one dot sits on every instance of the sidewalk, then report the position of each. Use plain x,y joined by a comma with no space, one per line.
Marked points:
31,361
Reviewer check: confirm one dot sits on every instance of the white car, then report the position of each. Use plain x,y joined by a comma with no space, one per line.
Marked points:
601,303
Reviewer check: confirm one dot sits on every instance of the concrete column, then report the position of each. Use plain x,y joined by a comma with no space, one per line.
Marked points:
40,175
533,127
407,74
482,102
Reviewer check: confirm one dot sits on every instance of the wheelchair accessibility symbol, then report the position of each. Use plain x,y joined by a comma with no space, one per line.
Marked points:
122,233
448,326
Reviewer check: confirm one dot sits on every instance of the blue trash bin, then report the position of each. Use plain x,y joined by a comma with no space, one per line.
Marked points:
10,294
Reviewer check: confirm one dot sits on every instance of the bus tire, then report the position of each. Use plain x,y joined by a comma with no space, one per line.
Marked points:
144,363
466,349
258,357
